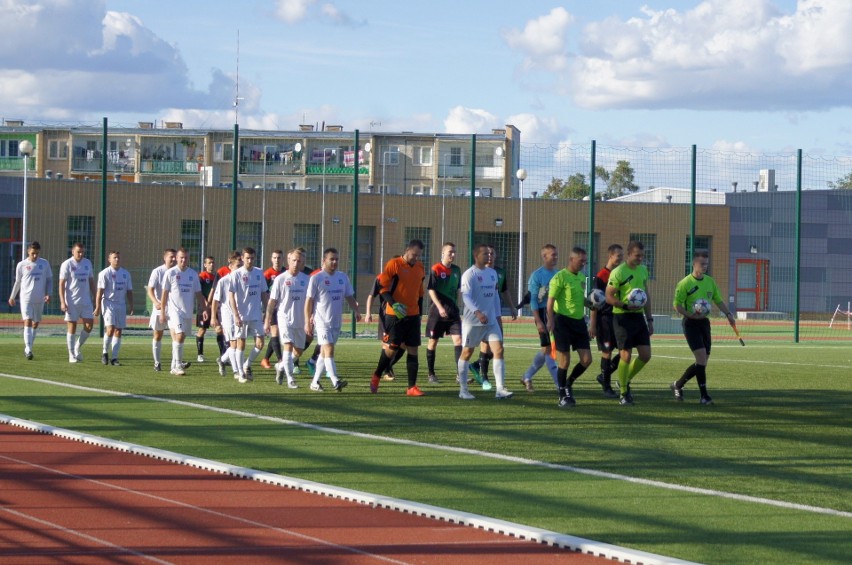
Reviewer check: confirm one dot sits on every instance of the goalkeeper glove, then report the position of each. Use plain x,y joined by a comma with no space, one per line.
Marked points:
400,310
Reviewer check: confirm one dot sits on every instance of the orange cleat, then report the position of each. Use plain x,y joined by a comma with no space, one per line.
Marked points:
414,391
265,363
374,384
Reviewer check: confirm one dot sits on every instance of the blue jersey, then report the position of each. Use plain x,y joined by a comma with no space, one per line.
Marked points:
539,285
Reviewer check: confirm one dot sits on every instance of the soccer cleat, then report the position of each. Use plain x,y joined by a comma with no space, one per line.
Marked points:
433,380
158,367
339,385
465,395
72,359
279,376
249,376
564,402
414,391
528,386
78,356
486,384
609,393
241,379
178,372
626,399
265,363
503,394
600,379
312,365
706,400
115,363
104,359
374,384
317,387
296,369
221,365
389,375
185,364
292,384
677,391
200,359
29,355
474,369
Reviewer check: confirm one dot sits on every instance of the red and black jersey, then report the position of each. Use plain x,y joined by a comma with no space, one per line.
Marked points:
270,274
601,280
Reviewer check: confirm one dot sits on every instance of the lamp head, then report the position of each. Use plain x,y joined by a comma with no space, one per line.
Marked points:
521,174
25,148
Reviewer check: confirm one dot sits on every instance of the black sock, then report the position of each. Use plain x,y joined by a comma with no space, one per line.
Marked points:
315,356
690,372
412,364
223,345
199,344
269,348
701,377
276,346
578,370
384,363
561,378
484,360
397,356
457,351
430,361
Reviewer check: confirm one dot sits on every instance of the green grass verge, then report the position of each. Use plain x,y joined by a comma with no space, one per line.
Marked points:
780,429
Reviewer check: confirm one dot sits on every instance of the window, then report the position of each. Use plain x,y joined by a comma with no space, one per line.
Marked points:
57,149
390,155
581,239
307,236
366,249
650,242
223,151
701,242
424,235
456,156
249,234
190,239
10,230
12,151
82,229
423,156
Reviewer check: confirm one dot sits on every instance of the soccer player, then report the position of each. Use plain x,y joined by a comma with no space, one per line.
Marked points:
600,326
696,327
444,315
539,285
479,368
324,314
221,317
286,306
207,278
154,290
181,287
567,322
631,329
481,312
270,274
33,279
76,290
115,299
247,296
376,292
402,291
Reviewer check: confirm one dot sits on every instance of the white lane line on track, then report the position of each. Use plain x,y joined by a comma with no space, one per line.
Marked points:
69,531
202,510
461,450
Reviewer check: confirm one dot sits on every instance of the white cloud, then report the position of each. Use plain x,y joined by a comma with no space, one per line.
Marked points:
719,54
534,128
335,15
292,11
726,146
470,120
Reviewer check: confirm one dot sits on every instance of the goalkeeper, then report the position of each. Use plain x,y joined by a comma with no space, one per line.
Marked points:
402,290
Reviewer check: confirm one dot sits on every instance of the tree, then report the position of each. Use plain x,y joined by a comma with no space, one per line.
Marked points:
843,183
575,188
619,181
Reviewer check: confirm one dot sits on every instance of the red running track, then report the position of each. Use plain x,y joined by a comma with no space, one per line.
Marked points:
63,501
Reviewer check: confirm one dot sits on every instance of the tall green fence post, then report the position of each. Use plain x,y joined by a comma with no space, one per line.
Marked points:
591,249
692,197
105,142
354,243
798,244
235,175
470,238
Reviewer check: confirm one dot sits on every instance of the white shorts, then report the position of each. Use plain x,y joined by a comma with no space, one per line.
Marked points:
326,336
473,335
228,329
115,315
180,325
78,311
293,335
155,324
251,329
32,311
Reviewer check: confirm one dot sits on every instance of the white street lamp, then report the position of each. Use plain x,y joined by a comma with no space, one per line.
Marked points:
521,174
322,226
25,148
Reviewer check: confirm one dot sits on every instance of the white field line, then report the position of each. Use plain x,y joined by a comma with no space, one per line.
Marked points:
519,531
462,450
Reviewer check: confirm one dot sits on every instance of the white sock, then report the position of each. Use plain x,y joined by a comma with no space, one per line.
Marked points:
175,355
461,367
28,338
107,344
320,369
180,354
233,359
84,335
499,366
241,359
156,348
331,369
253,354
69,342
288,364
32,337
116,345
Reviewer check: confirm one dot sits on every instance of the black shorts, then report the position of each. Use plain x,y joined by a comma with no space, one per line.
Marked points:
402,332
630,330
697,333
274,320
543,337
570,333
437,327
199,321
381,317
605,335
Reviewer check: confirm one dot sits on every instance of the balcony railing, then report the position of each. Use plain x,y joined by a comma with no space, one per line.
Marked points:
335,170
84,165
272,168
16,164
151,166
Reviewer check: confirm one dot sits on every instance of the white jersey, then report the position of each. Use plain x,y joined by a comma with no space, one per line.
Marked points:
115,284
155,281
220,294
77,275
34,279
289,291
328,292
182,287
479,292
247,288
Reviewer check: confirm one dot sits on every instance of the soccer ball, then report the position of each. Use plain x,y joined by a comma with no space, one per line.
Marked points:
701,307
596,299
637,298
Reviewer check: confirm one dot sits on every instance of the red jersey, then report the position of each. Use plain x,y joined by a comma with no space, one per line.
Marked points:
270,274
224,271
405,283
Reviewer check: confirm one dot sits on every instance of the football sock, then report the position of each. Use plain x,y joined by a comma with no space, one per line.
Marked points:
69,342
253,354
537,363
269,348
483,363
500,373
635,366
397,356
241,357
288,364
84,335
220,341
561,378
107,343
690,372
461,367
457,353
578,370
156,347
235,360
275,342
319,370
331,369
33,336
315,356
701,377
116,346
28,338
430,361
551,366
412,363
199,344
384,363
621,375
175,355
606,371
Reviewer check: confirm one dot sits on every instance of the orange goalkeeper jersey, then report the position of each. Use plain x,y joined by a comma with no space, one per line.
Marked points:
405,283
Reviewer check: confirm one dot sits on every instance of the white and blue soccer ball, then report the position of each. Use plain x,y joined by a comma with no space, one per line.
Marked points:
596,299
701,307
637,298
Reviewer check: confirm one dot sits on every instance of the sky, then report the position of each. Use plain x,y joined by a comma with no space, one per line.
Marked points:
731,75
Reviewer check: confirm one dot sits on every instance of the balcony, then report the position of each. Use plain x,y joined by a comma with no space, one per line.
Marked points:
272,167
85,165
16,164
164,167
335,170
